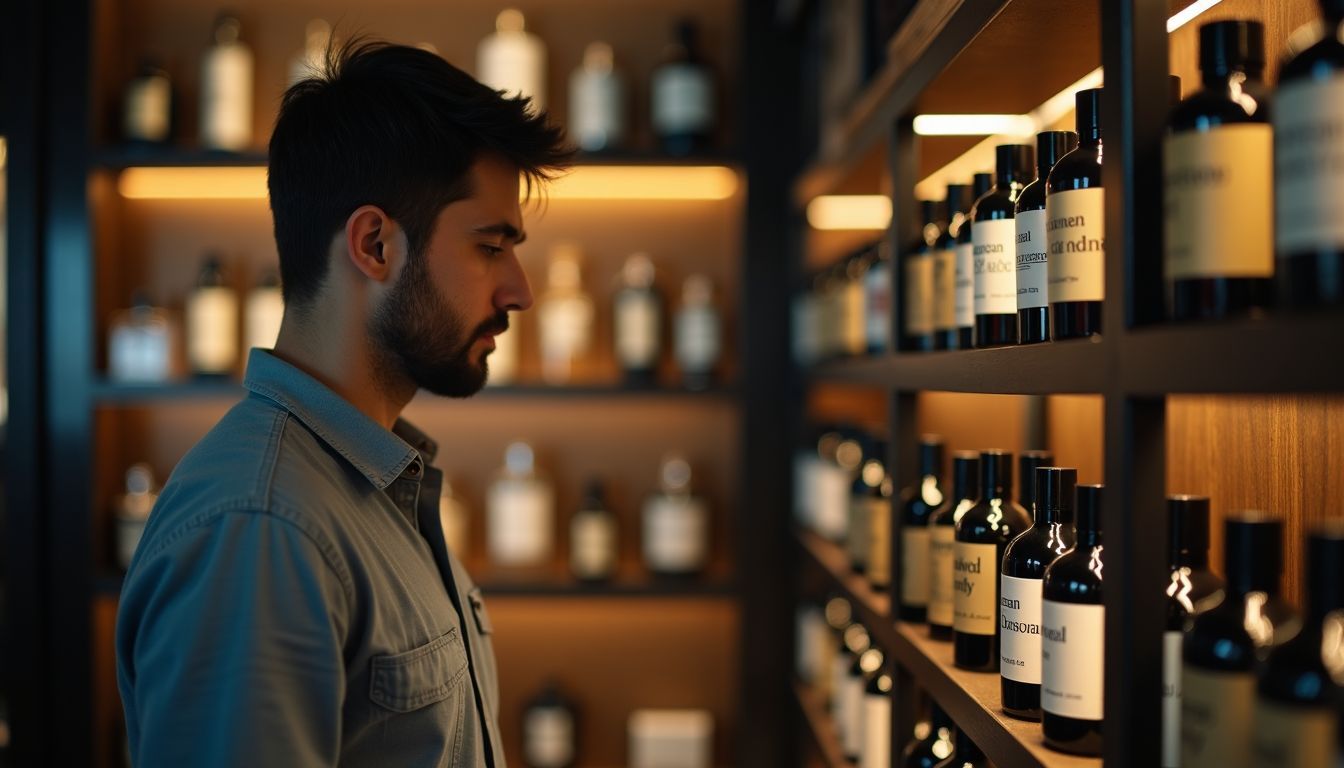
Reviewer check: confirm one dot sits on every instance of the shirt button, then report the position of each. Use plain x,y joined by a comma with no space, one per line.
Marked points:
414,469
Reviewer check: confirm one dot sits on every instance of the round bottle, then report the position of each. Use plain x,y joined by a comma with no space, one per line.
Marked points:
1075,228
934,747
226,89
968,755
698,333
994,239
597,101
637,320
942,542
676,524
550,730
860,543
1033,297
148,111
212,322
520,513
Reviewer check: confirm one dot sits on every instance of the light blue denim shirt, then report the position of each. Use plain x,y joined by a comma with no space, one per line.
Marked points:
292,602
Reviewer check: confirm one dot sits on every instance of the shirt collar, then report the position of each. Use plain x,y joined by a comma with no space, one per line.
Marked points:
378,454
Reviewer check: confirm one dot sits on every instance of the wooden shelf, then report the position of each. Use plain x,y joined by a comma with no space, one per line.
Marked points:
820,726
874,607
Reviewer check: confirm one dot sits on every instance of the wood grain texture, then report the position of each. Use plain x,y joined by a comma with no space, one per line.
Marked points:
1075,432
840,404
1280,17
973,422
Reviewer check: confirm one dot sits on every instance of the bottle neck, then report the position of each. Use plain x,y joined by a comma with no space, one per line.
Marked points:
1194,559
993,486
1088,537
1004,179
1047,516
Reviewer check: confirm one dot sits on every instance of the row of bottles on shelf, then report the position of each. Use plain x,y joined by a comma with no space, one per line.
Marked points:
683,109
658,738
521,521
1022,260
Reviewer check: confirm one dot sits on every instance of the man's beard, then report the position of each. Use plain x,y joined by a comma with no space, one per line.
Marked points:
421,335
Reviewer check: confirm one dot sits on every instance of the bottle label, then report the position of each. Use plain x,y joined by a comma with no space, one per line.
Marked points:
683,100
515,64
945,290
1217,710
831,507
226,97
697,342
636,329
852,735
519,530
942,546
919,294
1217,188
1293,737
965,284
975,576
212,330
995,270
1072,659
877,305
915,565
592,546
879,544
1171,699
676,534
1020,629
859,541
1309,165
597,111
548,737
1075,231
1031,260
876,731
148,106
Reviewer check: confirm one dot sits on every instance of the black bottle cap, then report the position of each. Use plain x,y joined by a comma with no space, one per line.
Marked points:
996,474
980,184
1055,488
965,475
1333,11
1050,146
1026,474
1087,512
1253,553
592,497
1174,89
1013,162
1187,524
956,199
929,211
1087,104
1325,570
1231,45
931,455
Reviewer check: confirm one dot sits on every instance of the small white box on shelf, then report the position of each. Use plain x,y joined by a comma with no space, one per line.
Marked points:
671,738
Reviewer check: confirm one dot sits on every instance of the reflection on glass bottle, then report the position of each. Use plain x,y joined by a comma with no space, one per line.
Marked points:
148,109
265,310
565,316
226,88
212,322
550,730
455,520
520,512
310,62
676,523
638,321
698,333
683,96
513,60
597,101
140,344
132,511
592,537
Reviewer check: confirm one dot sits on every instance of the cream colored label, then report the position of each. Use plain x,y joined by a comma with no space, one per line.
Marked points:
915,565
945,290
965,284
879,546
919,294
1020,629
859,540
1032,258
942,543
1072,659
1075,230
1219,202
212,330
1309,165
1171,699
1293,737
876,731
975,578
877,305
1216,718
995,254
637,330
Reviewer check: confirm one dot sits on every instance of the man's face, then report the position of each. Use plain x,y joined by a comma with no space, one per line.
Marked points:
440,318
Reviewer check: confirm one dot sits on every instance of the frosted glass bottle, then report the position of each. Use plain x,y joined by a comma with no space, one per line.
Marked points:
513,60
564,317
226,89
637,316
212,323
140,344
597,101
520,512
676,524
698,333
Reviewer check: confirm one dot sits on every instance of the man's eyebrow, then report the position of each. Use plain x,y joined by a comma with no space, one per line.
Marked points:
505,229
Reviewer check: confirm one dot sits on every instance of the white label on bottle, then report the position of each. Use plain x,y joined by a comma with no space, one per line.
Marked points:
148,105
1218,195
832,502
592,546
516,64
995,271
839,675
1217,712
140,353
945,290
697,339
212,330
636,329
975,576
226,97
597,110
1032,257
942,546
265,311
676,534
1076,233
919,294
683,100
1072,659
1309,165
809,628
915,565
877,305
519,529
965,285
879,544
1171,699
1293,737
1020,630
853,733
859,539
566,328
548,738
876,731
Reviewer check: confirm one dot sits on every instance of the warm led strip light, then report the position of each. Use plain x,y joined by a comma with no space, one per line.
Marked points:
973,125
612,182
849,212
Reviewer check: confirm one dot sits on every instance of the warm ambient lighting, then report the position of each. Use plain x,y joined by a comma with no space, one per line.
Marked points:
1189,13
849,212
974,125
591,182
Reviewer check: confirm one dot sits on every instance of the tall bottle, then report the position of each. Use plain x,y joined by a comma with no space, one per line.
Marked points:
968,755
942,542
1024,564
513,60
918,504
1300,680
550,730
212,322
597,101
1073,633
310,62
565,316
698,333
1309,171
918,282
936,746
846,689
981,183
859,541
520,512
982,534
592,537
945,335
865,665
226,88
879,518
1033,296
994,237
839,615
132,510
1218,157
876,752
147,110
1192,590
854,317
682,96
1220,651
263,313
637,320
676,523
1027,464
1075,228
877,300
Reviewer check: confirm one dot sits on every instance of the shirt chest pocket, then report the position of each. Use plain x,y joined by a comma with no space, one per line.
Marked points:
405,682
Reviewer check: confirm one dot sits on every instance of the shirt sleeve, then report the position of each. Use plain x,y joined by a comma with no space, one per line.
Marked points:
229,648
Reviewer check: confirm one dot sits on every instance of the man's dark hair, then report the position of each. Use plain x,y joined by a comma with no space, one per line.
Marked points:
391,126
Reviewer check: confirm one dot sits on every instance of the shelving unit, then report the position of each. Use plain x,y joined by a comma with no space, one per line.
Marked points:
812,709
113,393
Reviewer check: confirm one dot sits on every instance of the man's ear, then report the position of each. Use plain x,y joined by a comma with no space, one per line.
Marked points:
367,236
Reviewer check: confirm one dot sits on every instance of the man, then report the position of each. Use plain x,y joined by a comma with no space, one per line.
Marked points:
292,602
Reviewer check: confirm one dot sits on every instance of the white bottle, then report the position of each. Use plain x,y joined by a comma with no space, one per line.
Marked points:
592,538
502,364
226,89
564,316
263,313
212,323
513,60
676,524
698,332
455,521
597,101
140,345
637,319
311,61
132,511
520,512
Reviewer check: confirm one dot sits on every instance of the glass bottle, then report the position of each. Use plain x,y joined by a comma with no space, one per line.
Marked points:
520,512
550,730
877,300
918,503
637,318
945,334
140,344
682,96
592,538
147,114
698,333
513,60
994,238
859,542
564,316
942,542
967,755
212,322
1075,209
918,282
1033,298
226,88
935,746
676,524
876,752
132,511
597,101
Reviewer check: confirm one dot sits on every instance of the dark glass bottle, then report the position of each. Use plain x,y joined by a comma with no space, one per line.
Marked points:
994,237
1217,158
945,334
1024,564
981,183
682,96
1309,171
1073,629
880,519
867,485
1192,590
968,755
1223,645
942,542
1075,209
1294,717
918,281
550,730
935,747
982,534
918,504
1033,298
1027,464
